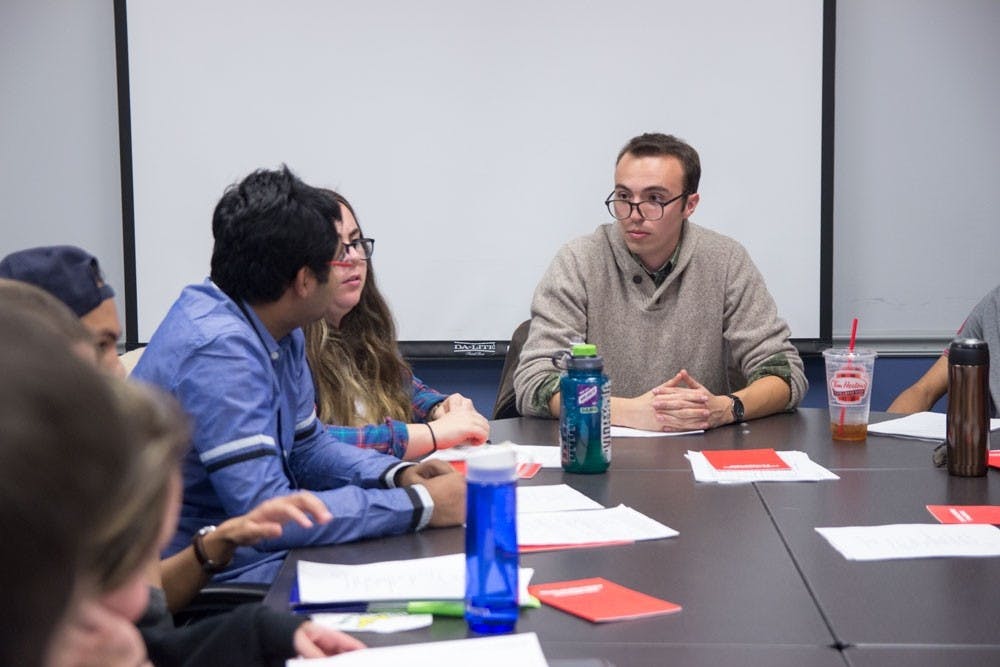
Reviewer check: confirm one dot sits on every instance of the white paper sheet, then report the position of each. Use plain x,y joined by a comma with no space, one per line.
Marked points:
553,498
922,425
522,650
617,524
626,432
801,469
913,540
434,578
547,455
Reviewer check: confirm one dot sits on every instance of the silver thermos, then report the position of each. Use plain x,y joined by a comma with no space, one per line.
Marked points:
968,423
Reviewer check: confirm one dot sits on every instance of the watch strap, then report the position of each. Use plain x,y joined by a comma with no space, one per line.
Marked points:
208,565
738,410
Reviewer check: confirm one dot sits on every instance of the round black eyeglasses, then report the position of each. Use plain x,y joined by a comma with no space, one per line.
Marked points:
622,209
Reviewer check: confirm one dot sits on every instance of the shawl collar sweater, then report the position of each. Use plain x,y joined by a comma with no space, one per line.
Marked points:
713,316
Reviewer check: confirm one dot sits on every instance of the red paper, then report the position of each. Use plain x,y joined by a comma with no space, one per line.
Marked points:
532,548
528,470
524,470
745,459
599,600
966,513
994,459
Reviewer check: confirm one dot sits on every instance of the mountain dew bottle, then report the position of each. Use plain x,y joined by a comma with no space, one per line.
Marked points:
585,421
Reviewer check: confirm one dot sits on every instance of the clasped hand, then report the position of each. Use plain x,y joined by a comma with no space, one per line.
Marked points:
683,404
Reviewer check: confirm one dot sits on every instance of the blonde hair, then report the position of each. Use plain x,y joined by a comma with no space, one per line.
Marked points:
50,312
360,376
159,430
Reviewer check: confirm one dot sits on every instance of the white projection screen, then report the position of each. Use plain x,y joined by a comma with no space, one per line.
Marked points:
472,138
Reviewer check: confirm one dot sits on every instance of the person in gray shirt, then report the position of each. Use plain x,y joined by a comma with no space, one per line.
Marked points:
983,323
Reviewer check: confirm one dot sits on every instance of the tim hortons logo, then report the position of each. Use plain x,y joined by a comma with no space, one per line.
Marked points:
849,386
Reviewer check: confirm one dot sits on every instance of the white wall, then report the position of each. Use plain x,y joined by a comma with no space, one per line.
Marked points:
916,143
59,175
916,221
474,139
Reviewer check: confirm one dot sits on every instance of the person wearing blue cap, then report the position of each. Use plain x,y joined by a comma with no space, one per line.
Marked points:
73,276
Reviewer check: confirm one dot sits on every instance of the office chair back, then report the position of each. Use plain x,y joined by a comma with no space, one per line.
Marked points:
506,403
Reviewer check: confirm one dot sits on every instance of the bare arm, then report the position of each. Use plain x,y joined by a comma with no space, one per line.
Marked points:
183,575
762,397
926,391
456,426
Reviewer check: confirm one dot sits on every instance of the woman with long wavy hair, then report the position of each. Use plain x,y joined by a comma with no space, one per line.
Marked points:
365,390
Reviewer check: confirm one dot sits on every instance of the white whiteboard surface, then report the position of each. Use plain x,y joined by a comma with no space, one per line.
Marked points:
916,210
473,139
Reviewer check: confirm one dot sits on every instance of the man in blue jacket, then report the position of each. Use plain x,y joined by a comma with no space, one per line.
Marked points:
232,352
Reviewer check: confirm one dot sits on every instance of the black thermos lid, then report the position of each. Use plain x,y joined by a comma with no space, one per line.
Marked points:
969,352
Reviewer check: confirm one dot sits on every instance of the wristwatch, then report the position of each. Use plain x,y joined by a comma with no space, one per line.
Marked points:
737,408
208,565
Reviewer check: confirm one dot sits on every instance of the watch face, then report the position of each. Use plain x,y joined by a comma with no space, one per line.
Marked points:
737,408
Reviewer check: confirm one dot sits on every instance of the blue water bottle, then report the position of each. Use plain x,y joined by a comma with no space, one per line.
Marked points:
585,419
491,560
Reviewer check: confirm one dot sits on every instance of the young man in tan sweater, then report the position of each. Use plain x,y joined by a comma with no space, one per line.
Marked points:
689,333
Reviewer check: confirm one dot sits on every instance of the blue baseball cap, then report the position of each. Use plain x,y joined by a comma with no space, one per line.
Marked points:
69,273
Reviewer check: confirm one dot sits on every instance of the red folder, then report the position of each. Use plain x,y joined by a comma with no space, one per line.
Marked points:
599,600
966,513
745,459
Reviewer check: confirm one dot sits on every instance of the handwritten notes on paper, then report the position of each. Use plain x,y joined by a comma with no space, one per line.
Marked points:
913,540
553,498
591,527
920,425
434,578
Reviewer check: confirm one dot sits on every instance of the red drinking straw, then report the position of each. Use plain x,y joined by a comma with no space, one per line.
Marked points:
850,348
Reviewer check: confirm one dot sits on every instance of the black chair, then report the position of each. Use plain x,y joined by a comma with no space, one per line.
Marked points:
506,403
217,599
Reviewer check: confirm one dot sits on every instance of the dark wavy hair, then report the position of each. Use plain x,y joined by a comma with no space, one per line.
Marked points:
266,228
360,361
656,143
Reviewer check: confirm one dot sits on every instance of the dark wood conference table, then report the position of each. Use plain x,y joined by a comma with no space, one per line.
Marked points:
757,584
